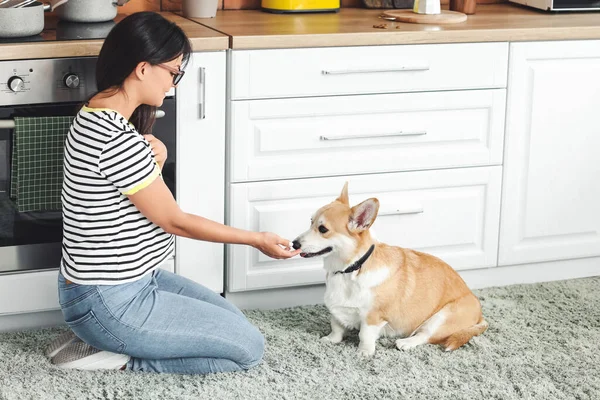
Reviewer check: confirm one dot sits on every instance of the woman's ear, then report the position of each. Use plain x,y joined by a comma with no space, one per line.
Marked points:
141,70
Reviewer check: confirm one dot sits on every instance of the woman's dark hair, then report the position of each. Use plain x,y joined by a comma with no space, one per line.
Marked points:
143,36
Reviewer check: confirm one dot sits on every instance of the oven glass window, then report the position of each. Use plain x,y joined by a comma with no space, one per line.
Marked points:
33,227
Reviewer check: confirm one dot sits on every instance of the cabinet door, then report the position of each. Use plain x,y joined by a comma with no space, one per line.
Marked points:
201,165
551,194
453,214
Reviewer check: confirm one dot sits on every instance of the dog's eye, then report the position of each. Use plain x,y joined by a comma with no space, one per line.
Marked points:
322,229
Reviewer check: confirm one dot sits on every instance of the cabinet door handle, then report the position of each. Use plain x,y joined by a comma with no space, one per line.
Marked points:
375,70
407,211
380,135
202,94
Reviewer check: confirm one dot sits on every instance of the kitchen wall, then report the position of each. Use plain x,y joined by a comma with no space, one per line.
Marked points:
175,5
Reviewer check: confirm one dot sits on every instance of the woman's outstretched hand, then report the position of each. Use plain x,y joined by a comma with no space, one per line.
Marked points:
271,245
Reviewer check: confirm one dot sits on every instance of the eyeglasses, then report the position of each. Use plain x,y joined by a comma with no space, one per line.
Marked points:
177,74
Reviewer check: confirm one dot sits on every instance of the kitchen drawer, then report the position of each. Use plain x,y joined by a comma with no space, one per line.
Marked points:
260,74
342,135
16,290
453,214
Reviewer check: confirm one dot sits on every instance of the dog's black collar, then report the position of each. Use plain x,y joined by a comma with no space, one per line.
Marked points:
359,263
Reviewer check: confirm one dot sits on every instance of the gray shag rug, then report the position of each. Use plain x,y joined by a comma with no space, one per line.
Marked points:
543,343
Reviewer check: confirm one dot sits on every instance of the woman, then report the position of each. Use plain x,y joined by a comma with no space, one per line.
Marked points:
119,225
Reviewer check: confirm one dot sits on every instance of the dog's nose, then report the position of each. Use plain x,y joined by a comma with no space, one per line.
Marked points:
296,244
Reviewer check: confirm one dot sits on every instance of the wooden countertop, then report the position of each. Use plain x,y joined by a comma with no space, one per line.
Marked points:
254,29
45,45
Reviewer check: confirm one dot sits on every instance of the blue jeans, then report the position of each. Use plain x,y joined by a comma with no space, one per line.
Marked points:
165,322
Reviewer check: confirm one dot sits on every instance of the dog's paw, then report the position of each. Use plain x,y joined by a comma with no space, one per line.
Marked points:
334,339
406,344
366,352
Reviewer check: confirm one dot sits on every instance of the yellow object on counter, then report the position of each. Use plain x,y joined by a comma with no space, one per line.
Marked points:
300,6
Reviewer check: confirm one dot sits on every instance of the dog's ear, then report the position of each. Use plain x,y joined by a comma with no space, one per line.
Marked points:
344,195
363,215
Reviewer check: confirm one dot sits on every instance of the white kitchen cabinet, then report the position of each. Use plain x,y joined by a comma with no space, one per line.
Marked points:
201,163
551,190
452,213
400,123
290,138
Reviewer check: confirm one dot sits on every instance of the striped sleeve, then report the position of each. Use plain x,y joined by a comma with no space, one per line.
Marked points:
128,163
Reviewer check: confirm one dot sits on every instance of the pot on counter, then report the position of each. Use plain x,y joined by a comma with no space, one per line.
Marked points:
22,21
76,30
88,11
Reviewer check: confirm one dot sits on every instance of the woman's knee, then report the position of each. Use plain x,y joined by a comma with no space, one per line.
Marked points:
255,348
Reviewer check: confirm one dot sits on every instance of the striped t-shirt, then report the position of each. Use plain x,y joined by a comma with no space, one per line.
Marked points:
106,240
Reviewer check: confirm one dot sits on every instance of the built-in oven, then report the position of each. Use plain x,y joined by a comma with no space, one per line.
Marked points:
33,89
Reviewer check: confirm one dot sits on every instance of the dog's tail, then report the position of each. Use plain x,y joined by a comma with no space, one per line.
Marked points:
461,337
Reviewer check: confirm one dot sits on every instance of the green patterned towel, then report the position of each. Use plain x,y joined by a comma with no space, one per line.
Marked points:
37,162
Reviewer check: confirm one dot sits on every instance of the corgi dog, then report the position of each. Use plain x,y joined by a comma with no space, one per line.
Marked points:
386,290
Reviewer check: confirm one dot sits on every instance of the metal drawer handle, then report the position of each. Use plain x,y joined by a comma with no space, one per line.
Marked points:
7,124
202,94
418,210
380,135
374,71
10,124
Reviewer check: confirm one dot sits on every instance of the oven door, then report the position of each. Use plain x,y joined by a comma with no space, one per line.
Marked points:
28,240
33,240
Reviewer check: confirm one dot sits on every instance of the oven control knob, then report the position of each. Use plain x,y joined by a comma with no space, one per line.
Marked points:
16,83
71,81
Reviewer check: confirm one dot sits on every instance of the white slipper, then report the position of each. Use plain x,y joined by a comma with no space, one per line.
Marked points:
80,355
60,343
